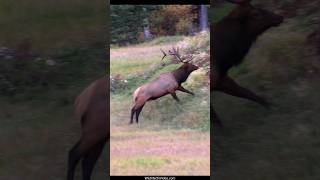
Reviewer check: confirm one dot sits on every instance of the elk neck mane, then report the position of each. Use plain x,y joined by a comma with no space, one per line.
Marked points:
232,41
181,74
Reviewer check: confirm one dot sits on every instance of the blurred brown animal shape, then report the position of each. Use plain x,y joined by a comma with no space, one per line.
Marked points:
233,37
92,109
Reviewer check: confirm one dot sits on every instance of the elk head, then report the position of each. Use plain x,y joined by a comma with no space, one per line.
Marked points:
256,20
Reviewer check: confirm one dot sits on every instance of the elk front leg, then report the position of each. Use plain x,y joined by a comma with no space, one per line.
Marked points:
229,86
174,95
180,88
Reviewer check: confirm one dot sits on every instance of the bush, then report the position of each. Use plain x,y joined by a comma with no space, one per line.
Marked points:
199,47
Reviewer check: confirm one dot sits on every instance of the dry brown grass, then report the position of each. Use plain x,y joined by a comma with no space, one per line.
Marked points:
134,151
137,50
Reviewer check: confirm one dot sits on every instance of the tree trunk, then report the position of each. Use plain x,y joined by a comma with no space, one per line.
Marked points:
203,17
146,29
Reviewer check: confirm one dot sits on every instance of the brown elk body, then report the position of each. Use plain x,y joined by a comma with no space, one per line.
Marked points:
165,83
232,39
92,109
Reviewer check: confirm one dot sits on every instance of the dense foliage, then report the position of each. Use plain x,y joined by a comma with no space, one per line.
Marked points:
128,21
180,19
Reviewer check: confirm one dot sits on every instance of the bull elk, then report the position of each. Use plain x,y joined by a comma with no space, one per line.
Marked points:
92,109
232,38
165,83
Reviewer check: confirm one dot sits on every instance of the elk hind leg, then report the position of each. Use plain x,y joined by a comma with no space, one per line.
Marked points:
138,111
90,159
133,110
174,95
74,156
185,90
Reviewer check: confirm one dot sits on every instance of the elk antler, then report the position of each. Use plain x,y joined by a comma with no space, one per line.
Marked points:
239,1
189,58
164,54
175,53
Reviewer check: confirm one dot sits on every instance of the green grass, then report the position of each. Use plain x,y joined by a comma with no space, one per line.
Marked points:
137,59
147,162
163,165
168,68
132,65
137,150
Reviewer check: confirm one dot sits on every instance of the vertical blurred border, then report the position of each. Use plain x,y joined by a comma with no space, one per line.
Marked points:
49,52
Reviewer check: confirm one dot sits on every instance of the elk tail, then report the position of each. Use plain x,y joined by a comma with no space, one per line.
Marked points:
135,94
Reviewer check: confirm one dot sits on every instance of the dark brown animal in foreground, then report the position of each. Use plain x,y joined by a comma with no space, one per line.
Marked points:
92,109
232,39
166,83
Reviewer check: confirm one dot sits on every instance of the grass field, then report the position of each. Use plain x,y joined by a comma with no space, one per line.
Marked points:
142,151
171,138
135,59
